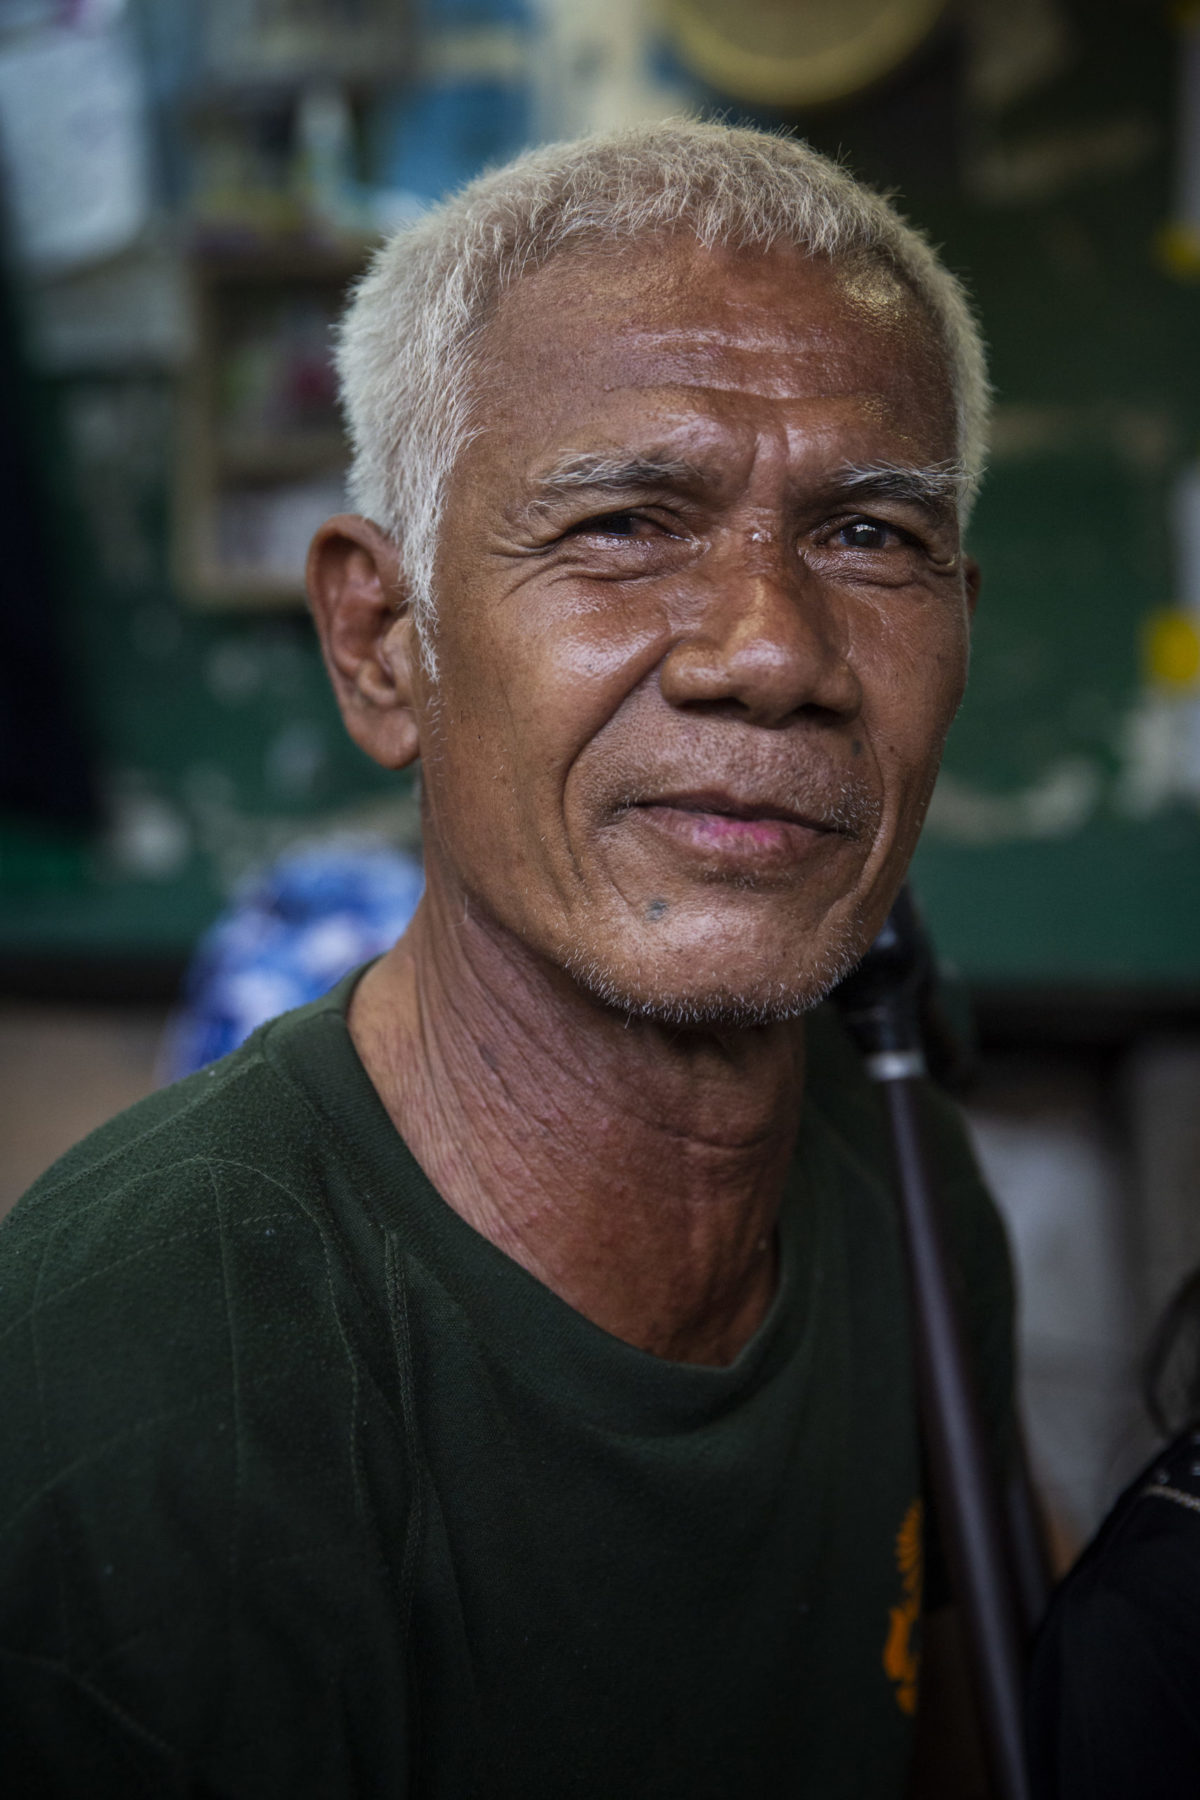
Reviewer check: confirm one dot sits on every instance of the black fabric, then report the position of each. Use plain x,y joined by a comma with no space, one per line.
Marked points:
1115,1686
310,1491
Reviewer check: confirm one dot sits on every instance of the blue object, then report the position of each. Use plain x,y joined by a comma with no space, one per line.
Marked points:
433,138
291,933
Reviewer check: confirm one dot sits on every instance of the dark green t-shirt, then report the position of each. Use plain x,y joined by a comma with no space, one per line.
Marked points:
308,1490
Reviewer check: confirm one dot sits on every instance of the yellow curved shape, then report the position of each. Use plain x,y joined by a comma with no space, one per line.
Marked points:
1172,640
797,52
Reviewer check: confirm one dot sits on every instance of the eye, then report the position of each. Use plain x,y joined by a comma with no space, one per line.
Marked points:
868,534
611,525
628,543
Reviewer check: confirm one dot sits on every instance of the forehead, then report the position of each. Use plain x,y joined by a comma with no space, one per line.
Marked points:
634,335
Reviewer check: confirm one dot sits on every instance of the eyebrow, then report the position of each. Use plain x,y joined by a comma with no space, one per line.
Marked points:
611,475
932,487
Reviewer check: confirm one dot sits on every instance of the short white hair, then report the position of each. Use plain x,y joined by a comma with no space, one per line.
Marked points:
409,340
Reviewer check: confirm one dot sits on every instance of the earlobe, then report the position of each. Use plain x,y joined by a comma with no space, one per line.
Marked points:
368,637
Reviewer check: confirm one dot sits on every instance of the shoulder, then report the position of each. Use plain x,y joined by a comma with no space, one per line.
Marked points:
142,1225
1146,1553
171,1293
143,1277
209,1113
158,1258
241,1133
195,1393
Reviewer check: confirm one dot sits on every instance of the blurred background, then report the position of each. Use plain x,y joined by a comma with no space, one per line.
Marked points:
190,185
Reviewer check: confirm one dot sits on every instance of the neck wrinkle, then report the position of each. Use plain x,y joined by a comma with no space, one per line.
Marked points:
636,1171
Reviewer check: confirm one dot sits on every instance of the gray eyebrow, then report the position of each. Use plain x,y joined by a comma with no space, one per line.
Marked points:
932,486
611,475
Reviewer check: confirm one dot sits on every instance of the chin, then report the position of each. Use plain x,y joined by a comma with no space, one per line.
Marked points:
717,998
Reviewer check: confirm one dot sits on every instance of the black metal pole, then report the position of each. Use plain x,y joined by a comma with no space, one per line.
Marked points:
880,1002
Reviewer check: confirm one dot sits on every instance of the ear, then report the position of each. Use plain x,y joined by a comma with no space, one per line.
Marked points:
368,636
972,580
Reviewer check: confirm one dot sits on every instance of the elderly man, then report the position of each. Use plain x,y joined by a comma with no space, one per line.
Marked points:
494,1380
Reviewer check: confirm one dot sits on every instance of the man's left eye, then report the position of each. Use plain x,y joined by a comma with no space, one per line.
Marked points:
867,534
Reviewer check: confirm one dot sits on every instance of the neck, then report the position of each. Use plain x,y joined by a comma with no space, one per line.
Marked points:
635,1169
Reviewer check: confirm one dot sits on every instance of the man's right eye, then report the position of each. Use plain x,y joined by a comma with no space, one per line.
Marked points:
614,524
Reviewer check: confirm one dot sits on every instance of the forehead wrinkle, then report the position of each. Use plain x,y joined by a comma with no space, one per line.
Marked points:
760,354
771,358
762,372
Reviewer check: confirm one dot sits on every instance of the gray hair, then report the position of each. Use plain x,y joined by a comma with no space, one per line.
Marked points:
408,342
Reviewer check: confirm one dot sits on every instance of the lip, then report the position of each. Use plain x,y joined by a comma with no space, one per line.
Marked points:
721,803
729,826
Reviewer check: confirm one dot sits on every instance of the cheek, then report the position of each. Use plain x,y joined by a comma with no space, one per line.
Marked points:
525,689
912,688
570,662
916,673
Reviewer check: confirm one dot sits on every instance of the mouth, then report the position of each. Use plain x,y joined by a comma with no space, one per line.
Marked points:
714,821
717,803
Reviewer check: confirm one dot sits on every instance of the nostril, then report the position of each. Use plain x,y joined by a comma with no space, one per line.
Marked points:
742,712
725,708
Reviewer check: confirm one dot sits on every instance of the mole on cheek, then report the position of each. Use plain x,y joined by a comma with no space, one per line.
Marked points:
856,747
655,909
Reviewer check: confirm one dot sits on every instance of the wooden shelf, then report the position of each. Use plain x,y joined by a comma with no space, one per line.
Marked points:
278,456
224,589
240,490
228,258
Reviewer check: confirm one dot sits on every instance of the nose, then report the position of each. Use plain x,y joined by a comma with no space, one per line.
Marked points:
767,642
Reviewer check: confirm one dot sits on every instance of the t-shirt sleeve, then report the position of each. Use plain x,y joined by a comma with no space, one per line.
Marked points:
61,1738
